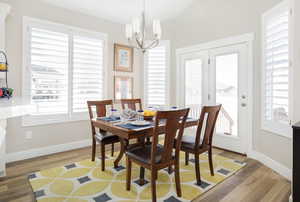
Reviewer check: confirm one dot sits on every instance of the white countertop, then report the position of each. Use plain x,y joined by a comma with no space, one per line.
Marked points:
15,106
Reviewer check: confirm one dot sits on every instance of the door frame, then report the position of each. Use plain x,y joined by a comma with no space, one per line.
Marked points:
247,39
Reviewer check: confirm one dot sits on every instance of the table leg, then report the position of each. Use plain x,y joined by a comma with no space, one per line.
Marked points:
142,180
122,151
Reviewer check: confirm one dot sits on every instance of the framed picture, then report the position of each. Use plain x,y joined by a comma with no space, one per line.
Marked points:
123,58
123,87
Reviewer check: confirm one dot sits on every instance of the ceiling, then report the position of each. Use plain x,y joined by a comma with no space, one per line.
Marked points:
122,11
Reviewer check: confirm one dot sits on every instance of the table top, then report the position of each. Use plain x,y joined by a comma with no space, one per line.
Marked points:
132,133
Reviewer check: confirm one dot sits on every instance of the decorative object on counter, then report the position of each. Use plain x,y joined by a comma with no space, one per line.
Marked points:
6,92
4,65
123,61
123,87
3,62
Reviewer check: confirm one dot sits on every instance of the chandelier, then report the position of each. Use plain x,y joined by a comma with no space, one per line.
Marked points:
136,32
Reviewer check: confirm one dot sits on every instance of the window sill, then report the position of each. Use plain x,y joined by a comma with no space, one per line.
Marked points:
278,129
30,121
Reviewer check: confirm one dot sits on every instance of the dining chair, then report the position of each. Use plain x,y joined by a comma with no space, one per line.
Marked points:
158,156
194,145
131,104
102,137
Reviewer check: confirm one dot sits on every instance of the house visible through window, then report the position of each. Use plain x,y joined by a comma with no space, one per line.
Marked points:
63,69
276,70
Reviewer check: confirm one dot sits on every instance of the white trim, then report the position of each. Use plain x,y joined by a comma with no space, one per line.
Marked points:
32,153
272,164
217,43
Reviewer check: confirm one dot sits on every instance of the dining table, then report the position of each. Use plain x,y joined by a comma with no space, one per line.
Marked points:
126,132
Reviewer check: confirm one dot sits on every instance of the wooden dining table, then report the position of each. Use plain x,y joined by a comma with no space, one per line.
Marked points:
126,135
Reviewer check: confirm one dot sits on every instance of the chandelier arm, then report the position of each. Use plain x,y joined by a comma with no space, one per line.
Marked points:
153,44
138,42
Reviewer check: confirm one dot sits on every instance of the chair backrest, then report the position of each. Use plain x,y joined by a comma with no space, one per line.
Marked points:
131,104
100,110
100,107
208,117
174,126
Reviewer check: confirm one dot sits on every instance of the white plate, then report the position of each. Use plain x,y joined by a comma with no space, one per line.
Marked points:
140,123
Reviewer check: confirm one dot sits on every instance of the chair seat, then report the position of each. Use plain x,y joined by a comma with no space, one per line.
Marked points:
106,137
188,143
143,153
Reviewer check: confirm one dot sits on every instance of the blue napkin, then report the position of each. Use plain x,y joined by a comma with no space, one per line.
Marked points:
108,119
132,127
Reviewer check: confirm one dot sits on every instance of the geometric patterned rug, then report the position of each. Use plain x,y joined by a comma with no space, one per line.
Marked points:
84,181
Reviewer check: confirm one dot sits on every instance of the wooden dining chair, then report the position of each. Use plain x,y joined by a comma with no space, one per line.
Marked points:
156,156
193,145
131,104
102,137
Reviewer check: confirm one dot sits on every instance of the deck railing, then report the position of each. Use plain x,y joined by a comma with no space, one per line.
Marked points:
224,123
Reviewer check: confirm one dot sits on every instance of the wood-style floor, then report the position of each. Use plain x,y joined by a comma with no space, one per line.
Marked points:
253,183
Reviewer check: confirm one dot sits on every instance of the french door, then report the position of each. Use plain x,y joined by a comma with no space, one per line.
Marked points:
218,76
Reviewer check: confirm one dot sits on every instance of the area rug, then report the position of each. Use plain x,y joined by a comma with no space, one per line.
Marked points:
84,181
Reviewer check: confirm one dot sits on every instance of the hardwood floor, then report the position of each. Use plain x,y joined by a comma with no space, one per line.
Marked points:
253,183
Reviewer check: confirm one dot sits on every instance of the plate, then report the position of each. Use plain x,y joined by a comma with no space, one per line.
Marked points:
140,123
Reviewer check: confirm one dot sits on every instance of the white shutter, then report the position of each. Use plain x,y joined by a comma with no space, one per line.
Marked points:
49,71
276,67
156,75
87,71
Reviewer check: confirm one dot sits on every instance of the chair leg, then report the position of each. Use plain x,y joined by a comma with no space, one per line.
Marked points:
211,166
186,158
153,184
170,169
102,156
177,179
128,173
197,169
93,149
112,149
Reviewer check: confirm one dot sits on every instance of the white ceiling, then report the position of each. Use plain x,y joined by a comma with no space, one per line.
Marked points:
122,11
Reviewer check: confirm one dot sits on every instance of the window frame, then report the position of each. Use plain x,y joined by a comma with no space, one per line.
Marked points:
165,43
28,22
272,126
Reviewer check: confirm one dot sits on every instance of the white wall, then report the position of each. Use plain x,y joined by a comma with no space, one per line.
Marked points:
48,135
209,20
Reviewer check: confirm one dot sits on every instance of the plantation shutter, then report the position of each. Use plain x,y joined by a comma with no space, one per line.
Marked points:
156,75
87,71
49,60
276,65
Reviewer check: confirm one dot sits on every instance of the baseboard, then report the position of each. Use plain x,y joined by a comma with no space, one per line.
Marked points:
274,165
32,153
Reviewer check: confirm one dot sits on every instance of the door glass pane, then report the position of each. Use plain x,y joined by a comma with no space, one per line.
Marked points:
193,86
227,93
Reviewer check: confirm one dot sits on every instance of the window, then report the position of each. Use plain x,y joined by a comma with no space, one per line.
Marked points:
157,75
63,68
276,64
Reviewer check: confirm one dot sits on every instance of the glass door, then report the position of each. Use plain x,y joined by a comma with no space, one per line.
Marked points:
229,87
193,82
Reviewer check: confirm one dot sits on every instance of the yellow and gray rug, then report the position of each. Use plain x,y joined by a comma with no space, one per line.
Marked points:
84,181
